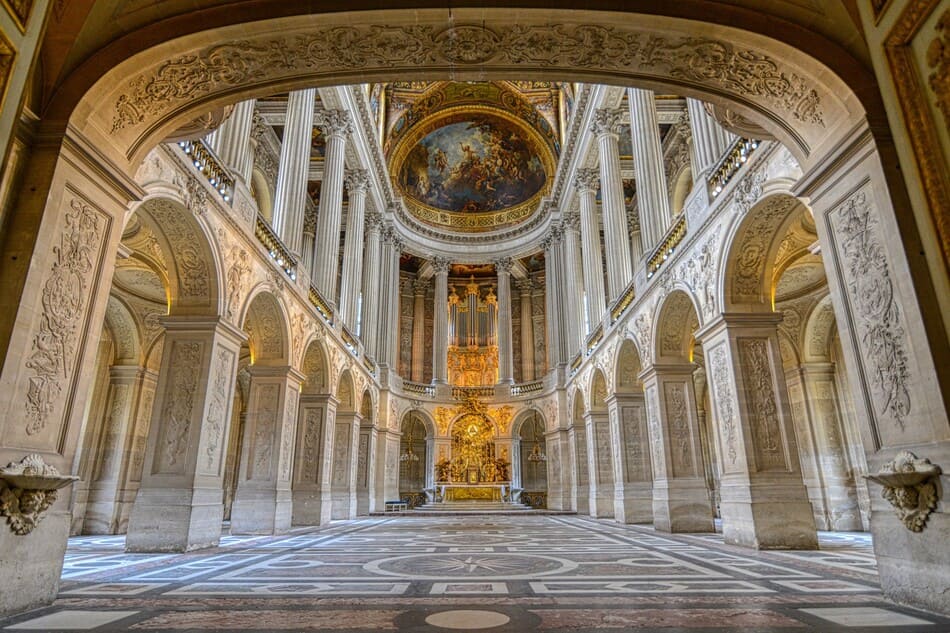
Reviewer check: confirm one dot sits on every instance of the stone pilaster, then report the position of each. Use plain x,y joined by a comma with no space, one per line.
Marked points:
681,501
343,471
585,181
652,198
580,481
419,289
764,503
179,503
314,448
440,327
372,256
366,468
263,501
290,197
633,474
388,327
558,451
606,126
351,284
599,464
506,367
336,127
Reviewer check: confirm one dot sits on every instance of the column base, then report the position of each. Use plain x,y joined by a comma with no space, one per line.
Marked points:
311,507
343,505
581,501
175,520
633,503
32,564
682,505
773,512
601,504
261,512
913,567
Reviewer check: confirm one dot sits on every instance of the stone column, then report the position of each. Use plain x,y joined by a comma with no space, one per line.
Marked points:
388,326
652,198
232,140
580,483
633,475
263,501
585,181
710,140
372,263
636,240
290,197
309,236
351,282
764,503
506,367
526,287
337,127
573,284
418,328
114,477
607,125
440,326
599,464
681,500
343,478
552,291
179,504
314,448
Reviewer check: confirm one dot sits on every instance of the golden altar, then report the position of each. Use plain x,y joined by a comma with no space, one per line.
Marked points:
498,491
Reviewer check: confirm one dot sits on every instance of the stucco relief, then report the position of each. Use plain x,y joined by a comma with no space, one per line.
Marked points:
677,411
194,276
216,418
287,434
64,299
238,278
725,401
878,320
703,61
760,398
265,424
178,403
751,248
311,444
637,461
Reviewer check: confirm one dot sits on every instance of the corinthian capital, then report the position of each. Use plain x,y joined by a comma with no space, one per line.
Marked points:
503,264
335,123
607,122
441,264
357,180
586,180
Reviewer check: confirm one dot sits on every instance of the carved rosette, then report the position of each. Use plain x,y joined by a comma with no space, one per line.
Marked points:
27,490
909,485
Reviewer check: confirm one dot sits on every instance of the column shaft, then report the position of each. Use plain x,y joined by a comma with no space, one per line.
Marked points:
573,284
232,140
418,329
506,367
552,304
710,140
655,217
440,327
585,183
527,331
616,241
372,263
290,197
326,253
351,282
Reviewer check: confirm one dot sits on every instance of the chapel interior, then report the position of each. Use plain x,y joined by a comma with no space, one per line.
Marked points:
476,317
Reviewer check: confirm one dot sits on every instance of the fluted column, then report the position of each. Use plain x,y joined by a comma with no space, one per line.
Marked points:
652,198
506,367
388,326
607,125
440,329
710,140
351,282
573,283
371,268
636,243
552,290
232,140
336,127
290,198
585,181
418,328
525,287
309,234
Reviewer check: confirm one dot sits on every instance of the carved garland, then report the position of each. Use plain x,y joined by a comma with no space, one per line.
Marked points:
722,389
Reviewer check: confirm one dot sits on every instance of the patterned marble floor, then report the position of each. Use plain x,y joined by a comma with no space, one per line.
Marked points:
543,573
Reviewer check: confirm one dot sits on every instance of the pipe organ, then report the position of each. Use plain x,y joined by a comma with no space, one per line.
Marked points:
473,328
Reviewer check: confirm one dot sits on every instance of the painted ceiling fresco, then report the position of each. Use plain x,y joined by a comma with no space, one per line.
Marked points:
471,164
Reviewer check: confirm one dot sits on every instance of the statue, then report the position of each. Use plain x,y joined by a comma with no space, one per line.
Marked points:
443,469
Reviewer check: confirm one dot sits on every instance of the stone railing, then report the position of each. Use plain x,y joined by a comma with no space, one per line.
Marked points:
275,247
480,392
418,388
525,388
668,246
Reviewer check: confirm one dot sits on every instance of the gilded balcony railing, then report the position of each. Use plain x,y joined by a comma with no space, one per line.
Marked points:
350,340
418,388
317,300
595,337
207,163
526,388
623,303
668,246
730,164
479,392
275,247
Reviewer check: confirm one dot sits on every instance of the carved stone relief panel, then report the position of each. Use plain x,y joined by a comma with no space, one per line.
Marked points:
50,363
580,457
603,453
761,403
191,266
216,419
312,444
678,419
725,397
635,443
362,462
876,313
141,433
265,421
656,436
751,249
111,445
287,433
341,455
184,371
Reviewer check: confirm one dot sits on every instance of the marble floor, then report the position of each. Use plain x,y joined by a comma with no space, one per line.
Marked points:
491,573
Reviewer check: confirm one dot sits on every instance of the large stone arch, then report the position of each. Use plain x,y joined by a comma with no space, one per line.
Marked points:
193,268
150,92
751,252
820,330
126,337
268,328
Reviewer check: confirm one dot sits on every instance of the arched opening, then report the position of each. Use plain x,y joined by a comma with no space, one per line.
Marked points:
414,446
533,467
580,464
366,455
599,449
345,445
633,499
315,428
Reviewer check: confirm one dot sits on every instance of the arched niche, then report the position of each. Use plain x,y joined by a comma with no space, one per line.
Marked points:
268,330
532,454
126,337
345,393
186,248
676,321
315,368
598,391
628,368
